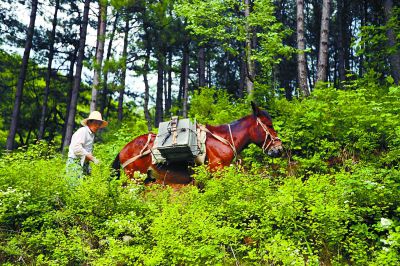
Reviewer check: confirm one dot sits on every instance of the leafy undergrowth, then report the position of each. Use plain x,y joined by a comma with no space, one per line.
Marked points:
237,217
333,198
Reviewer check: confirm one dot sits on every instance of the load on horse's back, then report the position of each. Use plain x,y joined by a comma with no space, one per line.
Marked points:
222,144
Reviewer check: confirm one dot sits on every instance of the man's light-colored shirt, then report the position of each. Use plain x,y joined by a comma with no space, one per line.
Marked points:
81,144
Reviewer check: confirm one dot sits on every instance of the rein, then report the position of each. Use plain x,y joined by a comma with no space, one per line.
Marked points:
267,133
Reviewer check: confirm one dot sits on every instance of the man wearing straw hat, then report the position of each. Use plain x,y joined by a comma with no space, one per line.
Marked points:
81,147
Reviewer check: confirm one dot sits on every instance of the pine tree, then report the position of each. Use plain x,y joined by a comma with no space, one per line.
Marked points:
77,79
22,76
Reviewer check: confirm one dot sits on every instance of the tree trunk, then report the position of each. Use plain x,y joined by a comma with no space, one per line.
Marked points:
69,94
124,56
340,44
160,82
105,75
165,90
250,64
394,57
243,70
323,46
147,89
202,66
77,78
301,57
168,99
209,75
99,53
347,34
182,77
49,70
146,70
313,20
21,78
185,90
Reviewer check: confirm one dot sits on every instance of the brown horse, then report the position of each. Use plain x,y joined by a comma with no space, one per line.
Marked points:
223,143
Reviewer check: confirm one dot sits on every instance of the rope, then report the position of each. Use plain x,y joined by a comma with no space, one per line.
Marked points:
267,133
222,139
140,155
233,143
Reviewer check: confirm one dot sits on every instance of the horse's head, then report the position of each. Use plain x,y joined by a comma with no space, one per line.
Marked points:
263,134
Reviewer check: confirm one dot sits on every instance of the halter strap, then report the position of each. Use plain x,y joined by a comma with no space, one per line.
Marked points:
233,143
226,142
141,154
267,133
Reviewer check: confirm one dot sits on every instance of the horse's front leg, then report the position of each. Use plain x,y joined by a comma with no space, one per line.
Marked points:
217,161
141,165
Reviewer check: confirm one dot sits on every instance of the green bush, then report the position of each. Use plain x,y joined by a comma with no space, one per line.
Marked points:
333,198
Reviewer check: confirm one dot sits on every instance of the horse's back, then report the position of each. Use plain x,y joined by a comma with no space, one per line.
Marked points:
135,146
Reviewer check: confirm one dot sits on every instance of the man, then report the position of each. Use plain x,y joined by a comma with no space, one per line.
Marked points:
81,147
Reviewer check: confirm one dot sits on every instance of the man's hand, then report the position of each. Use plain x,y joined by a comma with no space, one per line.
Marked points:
90,157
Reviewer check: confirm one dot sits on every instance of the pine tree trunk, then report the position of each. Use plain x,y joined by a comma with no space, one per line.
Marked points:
301,57
77,78
395,56
21,78
48,73
347,21
147,89
242,81
185,90
99,53
168,99
323,46
250,64
341,61
182,77
209,74
316,9
202,66
124,56
165,91
105,74
69,94
340,43
146,70
159,96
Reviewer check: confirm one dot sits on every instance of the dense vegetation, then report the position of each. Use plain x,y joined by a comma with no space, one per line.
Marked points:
333,198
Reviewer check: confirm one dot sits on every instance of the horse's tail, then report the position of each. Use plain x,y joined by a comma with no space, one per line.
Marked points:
116,165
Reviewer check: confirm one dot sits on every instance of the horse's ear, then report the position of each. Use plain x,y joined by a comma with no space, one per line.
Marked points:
256,110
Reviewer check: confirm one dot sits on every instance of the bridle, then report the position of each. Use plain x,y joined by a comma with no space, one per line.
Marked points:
265,147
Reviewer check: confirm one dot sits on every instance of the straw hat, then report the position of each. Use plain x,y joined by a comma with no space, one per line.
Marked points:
95,115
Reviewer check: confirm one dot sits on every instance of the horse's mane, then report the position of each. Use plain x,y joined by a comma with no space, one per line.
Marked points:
222,128
139,138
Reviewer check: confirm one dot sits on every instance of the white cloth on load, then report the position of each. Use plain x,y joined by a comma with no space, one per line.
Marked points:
81,144
201,140
156,157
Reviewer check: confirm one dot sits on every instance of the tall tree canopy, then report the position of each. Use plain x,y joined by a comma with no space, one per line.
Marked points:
154,55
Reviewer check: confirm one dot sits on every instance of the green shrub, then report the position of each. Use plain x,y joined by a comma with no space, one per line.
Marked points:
331,199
